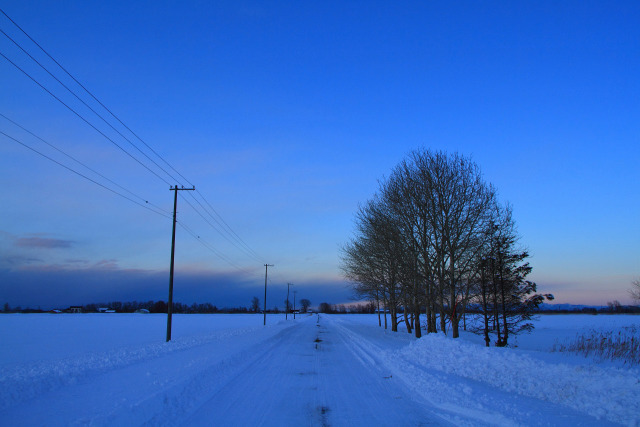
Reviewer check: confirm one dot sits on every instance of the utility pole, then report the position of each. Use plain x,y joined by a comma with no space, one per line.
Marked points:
294,305
266,268
286,312
173,250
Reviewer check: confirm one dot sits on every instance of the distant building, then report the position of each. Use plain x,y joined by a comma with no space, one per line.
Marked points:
142,311
74,309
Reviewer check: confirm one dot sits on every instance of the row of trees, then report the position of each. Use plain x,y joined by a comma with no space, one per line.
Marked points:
435,240
635,290
303,307
161,307
367,308
132,306
155,307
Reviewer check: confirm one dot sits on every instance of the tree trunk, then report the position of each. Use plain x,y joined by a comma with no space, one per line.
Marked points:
378,304
384,301
431,324
496,314
453,300
394,319
505,325
443,319
406,320
464,317
416,319
434,321
455,320
485,309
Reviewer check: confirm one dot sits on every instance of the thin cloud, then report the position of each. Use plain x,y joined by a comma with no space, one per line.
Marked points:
74,261
106,264
60,286
41,242
18,260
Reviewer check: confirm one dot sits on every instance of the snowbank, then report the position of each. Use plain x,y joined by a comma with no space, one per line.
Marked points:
603,392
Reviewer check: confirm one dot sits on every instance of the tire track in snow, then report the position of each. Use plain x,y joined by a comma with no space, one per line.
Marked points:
468,401
311,377
142,382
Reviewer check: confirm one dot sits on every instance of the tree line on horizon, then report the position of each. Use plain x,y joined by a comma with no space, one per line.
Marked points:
435,241
133,306
612,307
160,307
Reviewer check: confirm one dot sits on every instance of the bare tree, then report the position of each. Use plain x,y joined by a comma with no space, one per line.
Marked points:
431,238
405,200
372,259
325,307
635,290
255,304
457,210
305,303
506,299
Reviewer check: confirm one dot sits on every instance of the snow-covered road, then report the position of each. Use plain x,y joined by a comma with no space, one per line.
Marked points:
318,371
306,375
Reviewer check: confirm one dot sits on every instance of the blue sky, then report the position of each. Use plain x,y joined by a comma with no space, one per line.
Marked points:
284,115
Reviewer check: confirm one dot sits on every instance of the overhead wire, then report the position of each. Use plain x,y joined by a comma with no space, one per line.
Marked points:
80,162
93,96
230,236
82,175
209,222
83,119
228,233
255,255
208,246
86,105
157,210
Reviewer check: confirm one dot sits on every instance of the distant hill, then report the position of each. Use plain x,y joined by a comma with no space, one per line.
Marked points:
581,308
568,307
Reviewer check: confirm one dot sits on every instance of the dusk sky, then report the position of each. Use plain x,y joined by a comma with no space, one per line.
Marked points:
284,115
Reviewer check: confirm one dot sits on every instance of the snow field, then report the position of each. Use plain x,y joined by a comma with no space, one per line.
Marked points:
47,370
605,393
116,369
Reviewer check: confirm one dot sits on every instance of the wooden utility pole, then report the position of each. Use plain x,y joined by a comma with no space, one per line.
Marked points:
294,305
266,267
173,250
286,311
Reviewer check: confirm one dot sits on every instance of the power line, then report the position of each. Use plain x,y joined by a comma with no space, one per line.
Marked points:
237,237
85,104
83,119
214,227
209,247
94,97
82,175
79,162
233,237
146,167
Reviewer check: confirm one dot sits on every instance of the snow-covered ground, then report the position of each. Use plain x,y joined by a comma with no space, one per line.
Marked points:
116,369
